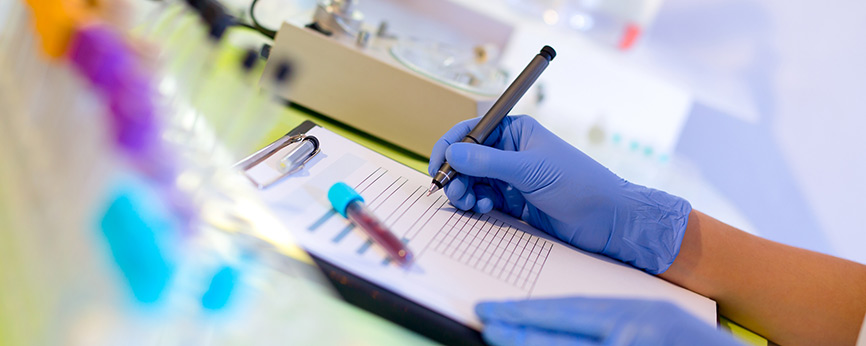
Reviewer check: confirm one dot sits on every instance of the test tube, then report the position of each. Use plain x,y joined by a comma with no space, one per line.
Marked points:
350,204
262,111
224,118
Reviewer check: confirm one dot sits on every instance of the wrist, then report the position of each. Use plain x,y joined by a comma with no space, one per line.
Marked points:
648,228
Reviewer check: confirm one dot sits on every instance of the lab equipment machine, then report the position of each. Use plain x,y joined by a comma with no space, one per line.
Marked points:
403,71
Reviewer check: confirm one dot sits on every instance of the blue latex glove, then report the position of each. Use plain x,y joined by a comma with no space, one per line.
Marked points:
528,172
587,321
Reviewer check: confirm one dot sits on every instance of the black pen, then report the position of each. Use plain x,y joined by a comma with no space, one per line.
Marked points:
497,112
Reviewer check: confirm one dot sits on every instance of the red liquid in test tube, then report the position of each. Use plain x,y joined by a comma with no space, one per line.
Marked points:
363,218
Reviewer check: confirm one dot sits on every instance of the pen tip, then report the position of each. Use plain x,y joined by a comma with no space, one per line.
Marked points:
433,188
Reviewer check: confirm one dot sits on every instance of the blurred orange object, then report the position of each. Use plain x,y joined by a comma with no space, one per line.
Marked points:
55,21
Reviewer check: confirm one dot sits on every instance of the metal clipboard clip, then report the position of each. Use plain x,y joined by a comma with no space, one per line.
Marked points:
304,148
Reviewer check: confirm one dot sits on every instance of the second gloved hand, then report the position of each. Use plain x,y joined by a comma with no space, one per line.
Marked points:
589,321
526,171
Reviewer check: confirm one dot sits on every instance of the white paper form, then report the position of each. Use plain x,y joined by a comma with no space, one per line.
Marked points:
461,257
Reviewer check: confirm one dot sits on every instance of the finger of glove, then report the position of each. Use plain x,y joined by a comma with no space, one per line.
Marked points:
458,132
485,198
454,135
481,161
584,316
460,192
502,334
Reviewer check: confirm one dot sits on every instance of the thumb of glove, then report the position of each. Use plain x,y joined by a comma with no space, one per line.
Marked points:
483,161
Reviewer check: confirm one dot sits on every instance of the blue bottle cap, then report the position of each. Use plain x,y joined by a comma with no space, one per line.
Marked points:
341,195
221,288
139,233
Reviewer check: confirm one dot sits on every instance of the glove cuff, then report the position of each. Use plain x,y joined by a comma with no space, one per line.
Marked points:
648,228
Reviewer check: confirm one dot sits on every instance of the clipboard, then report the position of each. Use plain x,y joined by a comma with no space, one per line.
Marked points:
357,290
461,257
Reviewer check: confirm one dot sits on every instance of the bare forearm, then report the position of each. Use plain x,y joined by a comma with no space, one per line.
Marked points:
790,295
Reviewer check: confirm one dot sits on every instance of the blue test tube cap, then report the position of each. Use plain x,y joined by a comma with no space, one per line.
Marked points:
341,195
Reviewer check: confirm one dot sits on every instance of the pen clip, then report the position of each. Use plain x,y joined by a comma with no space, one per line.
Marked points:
268,151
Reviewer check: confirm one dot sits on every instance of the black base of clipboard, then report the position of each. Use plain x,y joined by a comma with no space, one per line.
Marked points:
395,308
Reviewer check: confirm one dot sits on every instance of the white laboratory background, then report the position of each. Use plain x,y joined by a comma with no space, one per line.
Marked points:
780,111
773,141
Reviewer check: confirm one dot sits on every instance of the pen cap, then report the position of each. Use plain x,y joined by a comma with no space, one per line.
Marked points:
341,195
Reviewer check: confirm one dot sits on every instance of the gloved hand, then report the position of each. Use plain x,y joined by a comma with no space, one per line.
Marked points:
528,172
587,321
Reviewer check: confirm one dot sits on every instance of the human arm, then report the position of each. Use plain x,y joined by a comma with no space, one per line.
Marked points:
787,294
779,291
